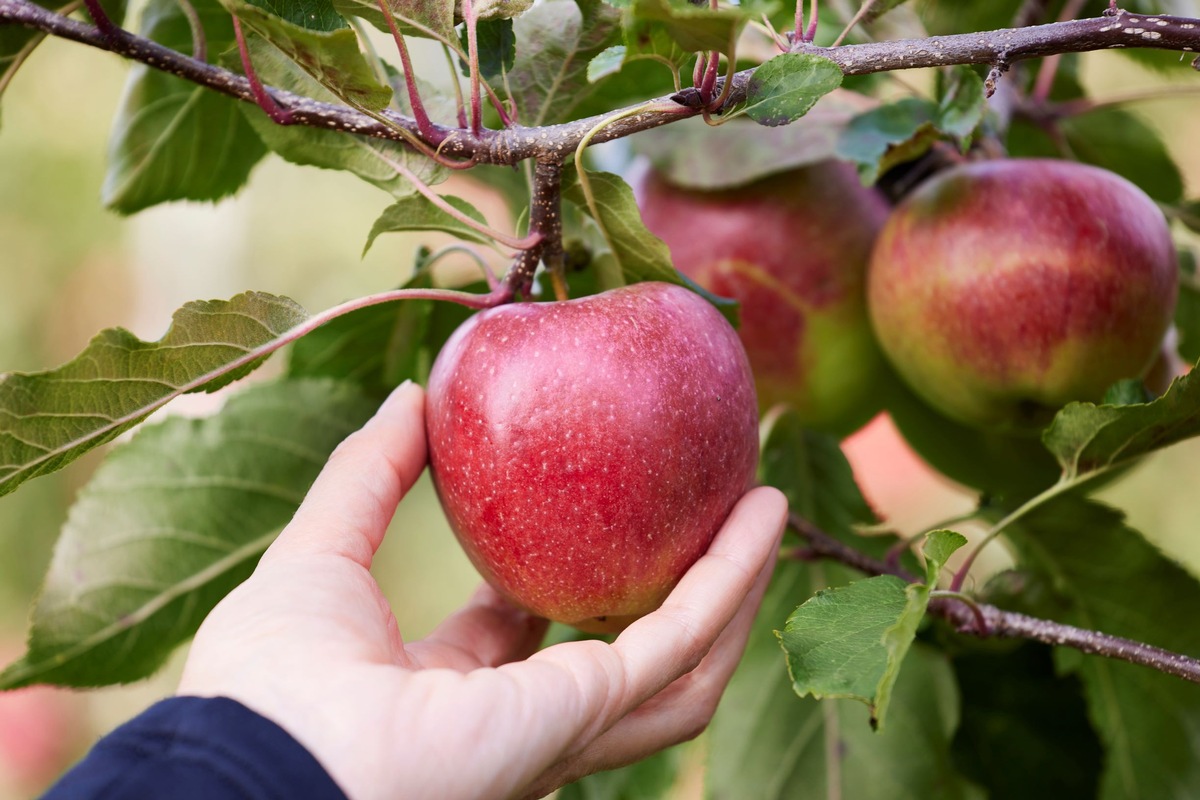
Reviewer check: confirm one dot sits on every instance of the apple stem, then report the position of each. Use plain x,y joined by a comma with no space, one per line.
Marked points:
965,614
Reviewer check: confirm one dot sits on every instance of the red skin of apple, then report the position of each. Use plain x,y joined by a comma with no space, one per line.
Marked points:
586,452
793,250
1002,290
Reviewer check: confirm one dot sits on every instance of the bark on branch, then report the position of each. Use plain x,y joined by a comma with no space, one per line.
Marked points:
998,622
998,48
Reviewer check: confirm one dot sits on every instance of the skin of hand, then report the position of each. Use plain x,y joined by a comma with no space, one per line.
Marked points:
474,710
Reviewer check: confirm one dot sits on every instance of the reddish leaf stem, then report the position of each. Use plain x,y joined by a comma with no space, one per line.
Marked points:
424,125
278,114
468,9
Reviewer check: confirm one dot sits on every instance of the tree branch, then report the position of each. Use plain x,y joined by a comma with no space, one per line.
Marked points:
998,622
510,146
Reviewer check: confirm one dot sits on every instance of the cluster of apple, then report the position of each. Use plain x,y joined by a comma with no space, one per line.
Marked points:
997,292
587,451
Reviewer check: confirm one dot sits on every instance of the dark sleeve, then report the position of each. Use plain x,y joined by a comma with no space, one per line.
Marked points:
194,748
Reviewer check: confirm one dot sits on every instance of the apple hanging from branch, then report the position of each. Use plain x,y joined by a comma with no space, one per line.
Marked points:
792,248
1002,290
587,451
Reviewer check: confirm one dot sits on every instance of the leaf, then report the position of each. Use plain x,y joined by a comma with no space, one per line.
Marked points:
1189,214
494,10
889,135
608,62
767,744
962,104
811,470
695,155
648,778
149,547
1093,571
638,255
693,28
850,641
48,419
783,89
1121,142
497,47
432,19
369,158
415,213
331,56
172,139
556,40
1088,438
1021,719
313,15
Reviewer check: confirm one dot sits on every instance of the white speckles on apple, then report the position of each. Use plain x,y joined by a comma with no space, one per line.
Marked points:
601,465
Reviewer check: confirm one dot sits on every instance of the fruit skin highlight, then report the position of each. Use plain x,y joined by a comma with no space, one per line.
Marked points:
1003,290
793,250
586,452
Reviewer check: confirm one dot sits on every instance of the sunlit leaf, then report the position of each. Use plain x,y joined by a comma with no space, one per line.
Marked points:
48,419
415,213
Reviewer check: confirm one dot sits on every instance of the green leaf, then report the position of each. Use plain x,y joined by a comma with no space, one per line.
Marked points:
783,89
1087,438
693,28
636,254
556,40
962,104
415,213
695,155
850,641
767,744
1093,571
48,419
889,135
172,139
1187,307
313,15
834,641
608,62
1121,142
648,778
1021,719
1189,214
811,470
149,547
432,19
331,57
496,44
369,158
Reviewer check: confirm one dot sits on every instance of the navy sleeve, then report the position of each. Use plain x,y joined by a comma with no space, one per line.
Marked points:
195,748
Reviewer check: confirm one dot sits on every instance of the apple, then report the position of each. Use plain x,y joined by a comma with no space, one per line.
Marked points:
793,249
587,451
1002,290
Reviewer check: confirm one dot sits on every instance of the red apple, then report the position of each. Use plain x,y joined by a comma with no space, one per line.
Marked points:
793,249
587,451
1002,290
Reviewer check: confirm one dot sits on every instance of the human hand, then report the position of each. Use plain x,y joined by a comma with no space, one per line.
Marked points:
473,710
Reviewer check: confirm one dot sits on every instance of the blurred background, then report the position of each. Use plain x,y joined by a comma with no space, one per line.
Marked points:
69,268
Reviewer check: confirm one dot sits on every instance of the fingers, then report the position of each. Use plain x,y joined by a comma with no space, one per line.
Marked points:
678,713
487,632
352,501
670,642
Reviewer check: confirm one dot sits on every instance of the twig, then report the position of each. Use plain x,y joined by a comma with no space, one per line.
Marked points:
985,620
